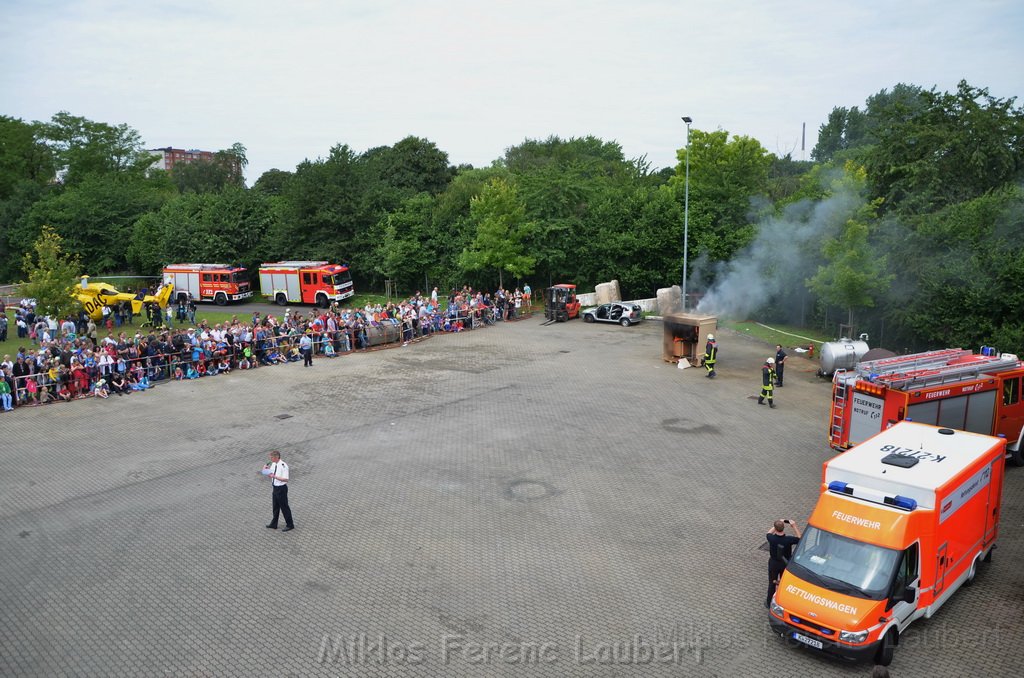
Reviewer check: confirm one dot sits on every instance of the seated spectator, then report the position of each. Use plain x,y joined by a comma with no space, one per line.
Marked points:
100,389
118,384
191,372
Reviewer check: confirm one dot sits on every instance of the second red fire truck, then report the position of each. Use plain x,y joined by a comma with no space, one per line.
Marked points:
219,283
305,282
954,388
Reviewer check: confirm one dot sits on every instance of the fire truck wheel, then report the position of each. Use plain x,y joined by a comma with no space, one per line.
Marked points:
281,299
1017,456
973,572
221,299
886,648
321,301
988,556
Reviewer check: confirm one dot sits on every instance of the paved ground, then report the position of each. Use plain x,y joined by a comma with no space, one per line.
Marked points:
516,501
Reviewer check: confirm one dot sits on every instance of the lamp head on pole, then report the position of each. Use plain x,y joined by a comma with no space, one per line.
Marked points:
687,119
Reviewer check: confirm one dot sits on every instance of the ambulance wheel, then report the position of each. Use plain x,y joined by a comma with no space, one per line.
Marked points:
886,649
280,299
220,299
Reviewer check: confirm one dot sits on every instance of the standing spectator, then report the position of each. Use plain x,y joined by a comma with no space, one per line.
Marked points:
780,364
710,356
780,549
3,326
767,382
306,348
277,471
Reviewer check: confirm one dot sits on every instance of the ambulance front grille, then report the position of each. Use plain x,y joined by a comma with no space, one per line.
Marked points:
825,631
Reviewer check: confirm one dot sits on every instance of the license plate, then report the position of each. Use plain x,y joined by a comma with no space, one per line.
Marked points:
808,641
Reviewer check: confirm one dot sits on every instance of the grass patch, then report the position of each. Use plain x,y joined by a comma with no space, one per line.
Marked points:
787,335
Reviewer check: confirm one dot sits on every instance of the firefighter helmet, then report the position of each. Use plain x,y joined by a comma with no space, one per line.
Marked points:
770,361
711,337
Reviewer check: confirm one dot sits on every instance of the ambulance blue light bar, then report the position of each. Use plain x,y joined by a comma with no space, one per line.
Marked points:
906,503
840,487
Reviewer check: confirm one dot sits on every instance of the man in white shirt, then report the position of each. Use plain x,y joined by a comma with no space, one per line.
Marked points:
277,471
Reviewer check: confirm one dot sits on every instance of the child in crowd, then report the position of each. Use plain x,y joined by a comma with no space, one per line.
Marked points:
191,372
64,393
101,389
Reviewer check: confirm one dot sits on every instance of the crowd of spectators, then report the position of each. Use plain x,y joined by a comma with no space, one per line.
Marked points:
78,357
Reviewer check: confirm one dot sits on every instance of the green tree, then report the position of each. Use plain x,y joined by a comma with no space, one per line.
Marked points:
849,131
50,275
501,233
953,148
228,226
726,175
960,273
408,250
411,166
95,216
854,276
328,211
24,156
272,182
83,147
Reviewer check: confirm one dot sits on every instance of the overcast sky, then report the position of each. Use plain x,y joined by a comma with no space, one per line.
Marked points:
291,78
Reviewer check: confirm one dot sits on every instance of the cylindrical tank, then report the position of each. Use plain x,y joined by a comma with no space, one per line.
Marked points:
843,354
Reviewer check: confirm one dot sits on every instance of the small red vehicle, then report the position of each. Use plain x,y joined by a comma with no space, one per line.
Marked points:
560,303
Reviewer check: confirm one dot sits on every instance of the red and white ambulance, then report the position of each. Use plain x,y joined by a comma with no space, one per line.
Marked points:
904,520
305,282
219,283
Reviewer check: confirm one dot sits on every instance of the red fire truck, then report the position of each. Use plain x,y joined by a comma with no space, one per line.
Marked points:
954,388
305,282
218,283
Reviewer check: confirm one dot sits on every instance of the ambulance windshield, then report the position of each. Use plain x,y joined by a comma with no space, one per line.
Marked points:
844,565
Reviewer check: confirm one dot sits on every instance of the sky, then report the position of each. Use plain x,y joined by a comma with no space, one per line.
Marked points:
289,79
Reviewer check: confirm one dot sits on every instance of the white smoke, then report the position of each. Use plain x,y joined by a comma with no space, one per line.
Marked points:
785,252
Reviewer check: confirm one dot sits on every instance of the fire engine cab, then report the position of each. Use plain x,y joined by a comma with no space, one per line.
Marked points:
218,283
954,388
305,282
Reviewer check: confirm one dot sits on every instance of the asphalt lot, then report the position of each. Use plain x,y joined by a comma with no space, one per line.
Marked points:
514,501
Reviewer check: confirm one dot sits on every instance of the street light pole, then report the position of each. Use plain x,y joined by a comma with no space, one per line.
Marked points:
686,208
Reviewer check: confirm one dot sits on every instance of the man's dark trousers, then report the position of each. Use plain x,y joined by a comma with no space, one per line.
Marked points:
281,506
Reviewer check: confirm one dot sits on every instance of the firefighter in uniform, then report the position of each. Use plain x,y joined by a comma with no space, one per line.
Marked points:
710,356
767,382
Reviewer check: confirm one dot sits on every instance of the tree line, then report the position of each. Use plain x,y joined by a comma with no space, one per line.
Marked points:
906,222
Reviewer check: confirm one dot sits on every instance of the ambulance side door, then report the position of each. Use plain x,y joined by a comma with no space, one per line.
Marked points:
908,579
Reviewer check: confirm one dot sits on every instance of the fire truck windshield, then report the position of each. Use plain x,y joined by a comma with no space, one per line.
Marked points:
239,277
338,278
844,565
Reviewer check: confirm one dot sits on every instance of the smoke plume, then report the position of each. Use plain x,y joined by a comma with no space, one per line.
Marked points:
774,267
